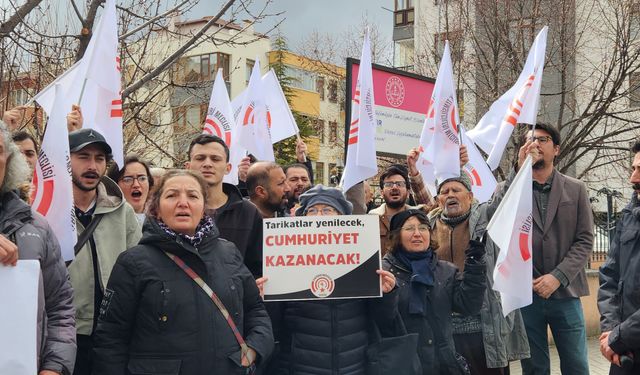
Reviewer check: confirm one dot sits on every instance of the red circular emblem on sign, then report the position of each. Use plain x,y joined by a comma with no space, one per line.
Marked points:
394,90
322,286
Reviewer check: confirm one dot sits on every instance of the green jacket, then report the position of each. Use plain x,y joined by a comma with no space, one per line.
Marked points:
117,231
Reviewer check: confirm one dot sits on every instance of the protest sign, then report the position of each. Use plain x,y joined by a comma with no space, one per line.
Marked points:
18,318
321,257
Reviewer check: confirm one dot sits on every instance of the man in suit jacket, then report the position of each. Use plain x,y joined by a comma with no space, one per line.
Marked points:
562,243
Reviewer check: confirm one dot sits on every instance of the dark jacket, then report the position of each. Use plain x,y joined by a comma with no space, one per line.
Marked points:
155,319
328,337
619,294
452,292
56,316
240,222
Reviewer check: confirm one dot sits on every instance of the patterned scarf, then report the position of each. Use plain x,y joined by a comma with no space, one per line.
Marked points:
421,277
453,221
205,227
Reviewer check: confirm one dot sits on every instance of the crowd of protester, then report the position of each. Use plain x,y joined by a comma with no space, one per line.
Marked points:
167,275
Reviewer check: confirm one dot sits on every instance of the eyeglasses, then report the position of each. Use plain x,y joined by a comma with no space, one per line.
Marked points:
324,211
390,184
542,139
423,228
128,180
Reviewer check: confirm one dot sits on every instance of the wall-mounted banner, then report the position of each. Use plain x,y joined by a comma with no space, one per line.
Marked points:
321,257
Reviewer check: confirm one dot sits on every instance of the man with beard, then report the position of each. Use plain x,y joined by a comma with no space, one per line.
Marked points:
618,299
488,340
299,181
237,219
562,243
106,225
268,189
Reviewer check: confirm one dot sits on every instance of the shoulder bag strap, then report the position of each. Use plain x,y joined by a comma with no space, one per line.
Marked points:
84,236
225,313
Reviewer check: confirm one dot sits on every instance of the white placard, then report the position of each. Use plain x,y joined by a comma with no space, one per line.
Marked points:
18,318
326,257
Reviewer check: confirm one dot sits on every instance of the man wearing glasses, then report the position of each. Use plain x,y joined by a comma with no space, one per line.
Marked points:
562,243
394,184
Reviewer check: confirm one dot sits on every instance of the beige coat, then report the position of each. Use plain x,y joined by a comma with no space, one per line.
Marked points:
117,231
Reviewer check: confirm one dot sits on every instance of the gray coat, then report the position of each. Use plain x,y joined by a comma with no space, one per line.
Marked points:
505,338
56,322
566,238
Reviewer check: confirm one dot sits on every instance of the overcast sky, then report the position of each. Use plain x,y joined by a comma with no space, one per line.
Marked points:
302,17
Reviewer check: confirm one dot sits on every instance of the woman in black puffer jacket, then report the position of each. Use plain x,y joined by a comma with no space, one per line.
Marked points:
431,289
331,336
155,319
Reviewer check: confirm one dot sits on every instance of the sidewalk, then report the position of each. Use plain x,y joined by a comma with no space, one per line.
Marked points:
597,364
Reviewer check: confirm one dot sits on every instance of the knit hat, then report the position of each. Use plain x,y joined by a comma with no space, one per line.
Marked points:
320,194
398,219
463,179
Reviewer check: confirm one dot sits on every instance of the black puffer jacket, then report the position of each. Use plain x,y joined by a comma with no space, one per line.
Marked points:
452,292
240,222
328,337
155,319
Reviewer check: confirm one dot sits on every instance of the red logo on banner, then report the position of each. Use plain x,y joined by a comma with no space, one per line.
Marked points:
116,108
394,89
473,174
213,128
47,185
322,286
249,116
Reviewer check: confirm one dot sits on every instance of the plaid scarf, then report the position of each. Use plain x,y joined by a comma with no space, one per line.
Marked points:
205,227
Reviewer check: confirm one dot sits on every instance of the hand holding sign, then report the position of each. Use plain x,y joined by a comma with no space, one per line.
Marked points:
388,280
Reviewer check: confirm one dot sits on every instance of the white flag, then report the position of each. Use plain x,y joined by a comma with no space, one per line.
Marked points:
483,183
518,105
220,120
53,195
425,167
511,228
98,74
253,126
443,151
361,153
282,124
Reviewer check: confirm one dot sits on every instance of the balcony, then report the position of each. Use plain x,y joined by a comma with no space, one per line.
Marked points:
403,20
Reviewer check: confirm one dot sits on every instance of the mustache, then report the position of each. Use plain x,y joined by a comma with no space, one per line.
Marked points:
636,186
90,175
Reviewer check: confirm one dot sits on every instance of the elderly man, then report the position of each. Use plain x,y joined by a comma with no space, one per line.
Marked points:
487,340
618,299
25,234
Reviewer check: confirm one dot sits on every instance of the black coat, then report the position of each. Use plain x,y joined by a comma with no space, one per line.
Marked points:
240,222
328,337
452,292
619,293
155,319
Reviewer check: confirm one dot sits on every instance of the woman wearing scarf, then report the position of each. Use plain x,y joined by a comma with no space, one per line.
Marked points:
156,317
431,289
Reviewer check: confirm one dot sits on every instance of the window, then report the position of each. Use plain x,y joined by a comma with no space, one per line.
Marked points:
320,130
203,68
190,118
634,23
404,13
18,97
333,91
250,65
320,87
319,173
333,131
634,90
301,79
